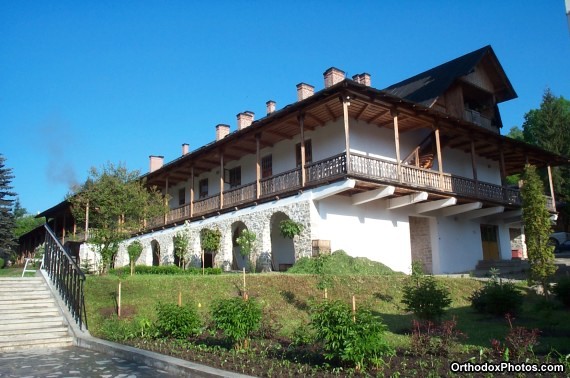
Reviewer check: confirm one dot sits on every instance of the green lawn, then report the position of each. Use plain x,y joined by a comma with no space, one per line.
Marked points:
14,272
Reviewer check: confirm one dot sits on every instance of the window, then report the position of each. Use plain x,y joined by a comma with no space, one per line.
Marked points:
181,196
267,166
308,152
203,188
235,177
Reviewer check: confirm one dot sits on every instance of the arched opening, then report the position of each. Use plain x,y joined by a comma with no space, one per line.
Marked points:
238,261
155,253
282,248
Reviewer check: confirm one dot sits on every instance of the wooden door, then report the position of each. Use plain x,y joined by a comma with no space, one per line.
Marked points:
490,242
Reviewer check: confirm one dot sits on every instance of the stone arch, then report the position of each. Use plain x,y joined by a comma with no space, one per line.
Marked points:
238,261
155,247
282,249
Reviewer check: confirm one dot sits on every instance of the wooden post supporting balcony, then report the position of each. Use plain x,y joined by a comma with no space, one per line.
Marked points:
345,104
191,191
439,162
474,167
551,187
221,179
166,201
301,119
394,114
86,221
258,164
502,166
63,229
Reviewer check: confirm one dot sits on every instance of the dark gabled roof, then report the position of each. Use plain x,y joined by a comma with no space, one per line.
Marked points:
427,86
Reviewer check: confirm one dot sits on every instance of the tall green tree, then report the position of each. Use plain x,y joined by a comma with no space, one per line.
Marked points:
549,128
6,216
537,227
118,204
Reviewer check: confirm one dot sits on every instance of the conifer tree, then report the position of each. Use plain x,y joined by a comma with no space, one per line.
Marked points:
537,228
6,216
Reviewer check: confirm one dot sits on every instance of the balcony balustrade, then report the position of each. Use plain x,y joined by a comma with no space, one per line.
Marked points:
359,166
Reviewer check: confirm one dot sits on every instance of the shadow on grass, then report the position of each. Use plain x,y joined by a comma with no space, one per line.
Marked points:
289,297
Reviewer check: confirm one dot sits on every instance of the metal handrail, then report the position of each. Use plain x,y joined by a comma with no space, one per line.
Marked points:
66,276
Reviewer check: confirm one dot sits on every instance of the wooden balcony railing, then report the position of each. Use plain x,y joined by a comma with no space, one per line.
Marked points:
282,182
359,166
207,204
179,213
326,169
239,195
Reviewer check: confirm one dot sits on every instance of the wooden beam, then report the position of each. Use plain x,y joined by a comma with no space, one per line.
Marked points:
394,203
397,143
483,212
257,165
166,201
319,121
435,205
378,115
474,167
277,133
502,166
345,102
303,162
359,114
221,179
551,187
439,162
384,191
460,209
331,113
191,191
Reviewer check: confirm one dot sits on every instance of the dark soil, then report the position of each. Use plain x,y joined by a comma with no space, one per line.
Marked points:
279,358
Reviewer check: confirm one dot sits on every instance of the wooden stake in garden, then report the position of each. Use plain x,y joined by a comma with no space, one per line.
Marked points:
119,302
245,296
353,309
179,298
203,268
326,296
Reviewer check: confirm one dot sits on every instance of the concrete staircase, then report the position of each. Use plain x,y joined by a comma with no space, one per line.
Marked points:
514,267
29,316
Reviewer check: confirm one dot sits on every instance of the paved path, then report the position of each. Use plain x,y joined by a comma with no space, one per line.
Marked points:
71,362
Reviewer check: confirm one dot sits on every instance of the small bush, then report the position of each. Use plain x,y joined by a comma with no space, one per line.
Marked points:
518,345
497,298
425,297
178,322
433,339
359,341
237,319
562,291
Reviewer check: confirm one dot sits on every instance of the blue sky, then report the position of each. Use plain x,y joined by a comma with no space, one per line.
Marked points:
87,82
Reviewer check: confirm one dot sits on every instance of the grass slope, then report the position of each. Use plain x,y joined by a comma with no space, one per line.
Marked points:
339,263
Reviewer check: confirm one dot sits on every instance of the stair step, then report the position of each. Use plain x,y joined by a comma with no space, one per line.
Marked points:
24,297
41,319
7,304
33,344
37,333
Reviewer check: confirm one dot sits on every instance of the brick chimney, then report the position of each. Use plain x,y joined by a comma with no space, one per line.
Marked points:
222,131
363,78
332,76
244,119
185,148
156,162
304,91
270,106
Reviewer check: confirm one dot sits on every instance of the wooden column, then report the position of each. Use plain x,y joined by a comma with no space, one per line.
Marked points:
345,104
551,187
257,165
63,229
301,119
191,191
166,201
502,166
221,179
474,167
439,162
86,222
394,114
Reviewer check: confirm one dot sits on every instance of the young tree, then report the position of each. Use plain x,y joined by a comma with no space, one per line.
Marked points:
181,243
134,250
24,222
537,228
6,216
119,203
